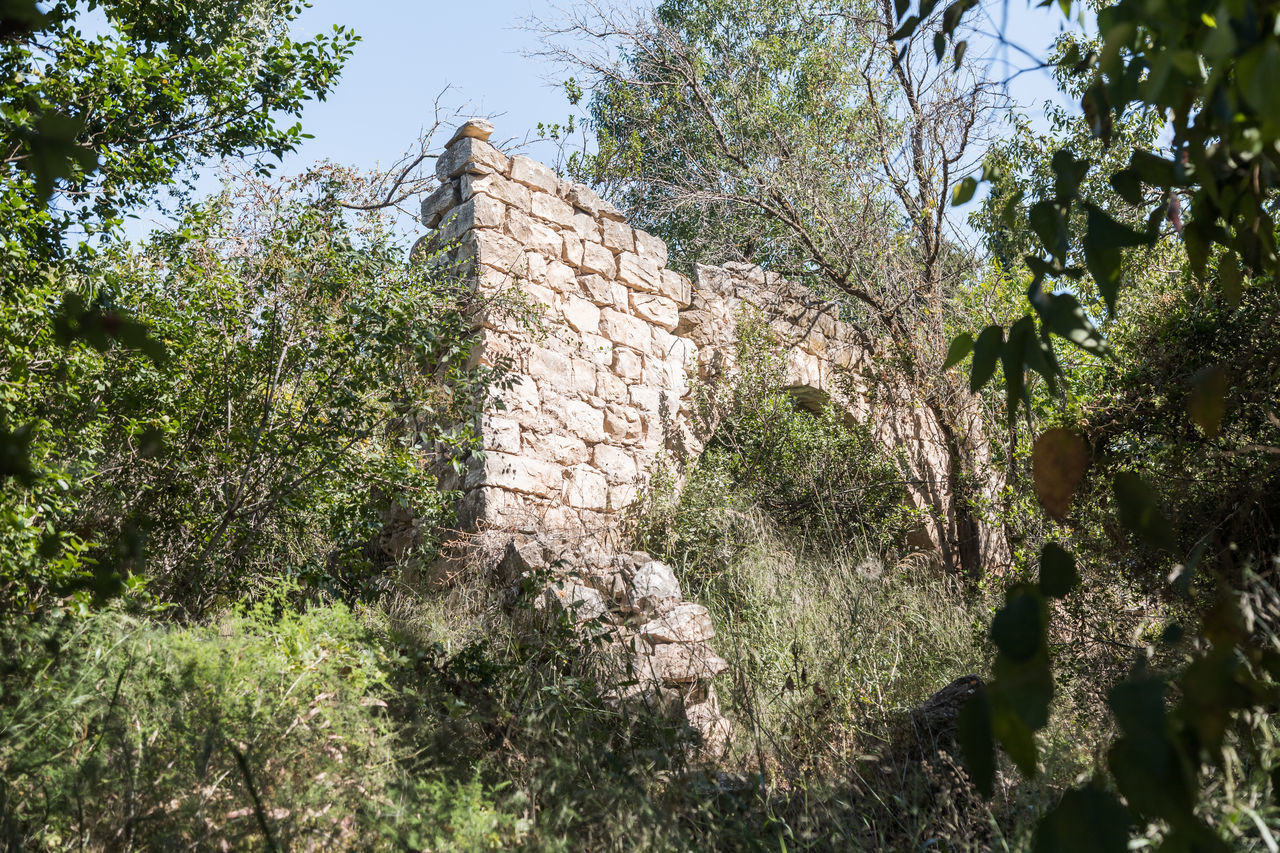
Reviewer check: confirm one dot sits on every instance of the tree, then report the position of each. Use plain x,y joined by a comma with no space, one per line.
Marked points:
1209,70
93,125
791,134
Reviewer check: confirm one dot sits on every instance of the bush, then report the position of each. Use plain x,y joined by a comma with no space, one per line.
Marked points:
279,431
819,477
268,726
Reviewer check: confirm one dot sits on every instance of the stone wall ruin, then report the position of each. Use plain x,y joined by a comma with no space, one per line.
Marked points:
606,390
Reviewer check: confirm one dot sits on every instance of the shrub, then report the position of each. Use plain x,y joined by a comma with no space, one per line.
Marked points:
270,725
305,371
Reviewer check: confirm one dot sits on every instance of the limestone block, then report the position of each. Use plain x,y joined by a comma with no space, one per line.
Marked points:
625,329
676,288
496,186
564,449
489,281
617,465
470,155
521,396
608,211
675,378
804,369
475,128
579,600
684,623
445,198
586,227
582,197
517,473
597,289
815,343
617,236
552,209
598,259
651,247
572,250
580,314
553,370
532,266
533,174
476,212
716,730
621,297
500,434
681,663
646,398
596,349
485,504
560,277
611,388
622,495
665,345
654,587
578,419
497,251
620,422
659,310
534,235
627,363
639,273
586,488
539,296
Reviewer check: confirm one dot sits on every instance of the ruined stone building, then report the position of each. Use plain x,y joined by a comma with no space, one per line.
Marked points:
605,388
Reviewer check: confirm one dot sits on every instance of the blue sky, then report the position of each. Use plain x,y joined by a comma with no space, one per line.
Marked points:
411,50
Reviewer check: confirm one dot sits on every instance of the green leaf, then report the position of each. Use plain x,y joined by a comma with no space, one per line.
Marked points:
1097,111
908,27
1258,73
962,47
1027,687
1229,278
1058,575
1066,318
1018,627
1139,510
1104,232
1128,186
1009,210
1015,736
1068,173
1050,225
1152,169
900,7
955,13
1013,357
1207,402
1104,266
963,191
54,152
15,454
939,45
1085,820
985,351
977,743
961,346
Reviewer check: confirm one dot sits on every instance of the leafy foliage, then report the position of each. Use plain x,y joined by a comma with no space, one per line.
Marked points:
815,474
281,434
1202,67
94,125
267,727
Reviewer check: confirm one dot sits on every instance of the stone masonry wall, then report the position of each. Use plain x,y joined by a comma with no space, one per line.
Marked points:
606,388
